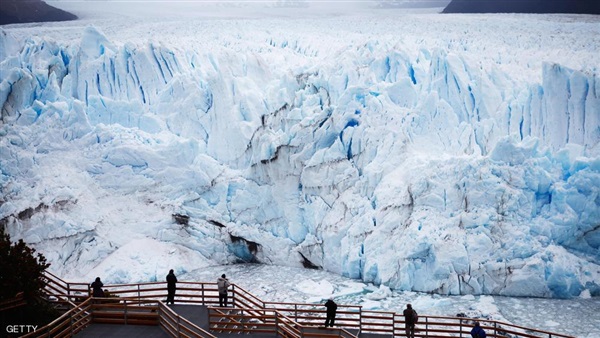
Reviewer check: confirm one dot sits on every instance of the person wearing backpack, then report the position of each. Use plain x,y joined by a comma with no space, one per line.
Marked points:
477,331
223,284
410,319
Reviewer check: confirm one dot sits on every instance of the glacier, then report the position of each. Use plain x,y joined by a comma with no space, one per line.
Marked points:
423,152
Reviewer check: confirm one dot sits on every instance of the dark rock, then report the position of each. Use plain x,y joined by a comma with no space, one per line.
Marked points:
307,264
524,6
181,219
24,11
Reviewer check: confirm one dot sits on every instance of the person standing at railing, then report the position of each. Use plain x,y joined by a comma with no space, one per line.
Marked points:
477,331
171,286
331,310
223,284
97,288
410,319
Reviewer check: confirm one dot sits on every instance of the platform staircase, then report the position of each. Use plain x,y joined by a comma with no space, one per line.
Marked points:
197,314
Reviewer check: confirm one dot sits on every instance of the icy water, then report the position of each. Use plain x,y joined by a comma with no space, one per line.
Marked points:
578,317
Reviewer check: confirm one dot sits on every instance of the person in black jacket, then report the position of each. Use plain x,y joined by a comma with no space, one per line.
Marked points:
410,319
97,288
171,286
331,309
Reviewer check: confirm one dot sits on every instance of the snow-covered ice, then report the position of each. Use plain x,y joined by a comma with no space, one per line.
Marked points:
577,317
448,154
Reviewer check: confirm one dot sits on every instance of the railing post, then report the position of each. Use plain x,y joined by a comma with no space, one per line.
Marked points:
426,326
360,321
296,312
202,288
460,327
139,293
233,293
495,329
276,324
243,322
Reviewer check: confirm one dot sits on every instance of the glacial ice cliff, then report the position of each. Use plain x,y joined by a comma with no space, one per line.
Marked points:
423,169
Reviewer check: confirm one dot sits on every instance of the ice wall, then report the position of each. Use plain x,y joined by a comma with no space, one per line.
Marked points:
420,171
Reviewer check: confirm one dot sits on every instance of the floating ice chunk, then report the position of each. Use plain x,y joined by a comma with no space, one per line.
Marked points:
382,293
321,288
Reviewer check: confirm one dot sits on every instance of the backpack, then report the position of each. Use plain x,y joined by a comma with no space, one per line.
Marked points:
415,316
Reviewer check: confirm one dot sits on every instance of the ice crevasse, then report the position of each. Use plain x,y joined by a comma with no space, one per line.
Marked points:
416,170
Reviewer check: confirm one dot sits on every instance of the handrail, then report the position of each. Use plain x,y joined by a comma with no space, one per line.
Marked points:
167,316
240,320
17,301
285,326
66,325
308,315
240,292
311,314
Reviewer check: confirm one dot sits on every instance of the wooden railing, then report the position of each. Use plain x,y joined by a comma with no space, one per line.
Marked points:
17,301
242,321
63,292
67,325
124,311
177,326
286,327
269,322
438,327
378,322
254,315
348,316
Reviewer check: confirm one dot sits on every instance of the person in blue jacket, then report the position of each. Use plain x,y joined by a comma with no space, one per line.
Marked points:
477,331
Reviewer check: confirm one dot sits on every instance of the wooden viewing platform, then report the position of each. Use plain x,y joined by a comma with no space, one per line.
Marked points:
138,311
